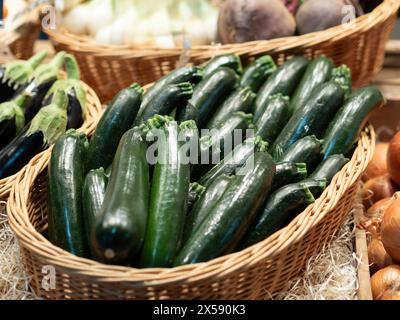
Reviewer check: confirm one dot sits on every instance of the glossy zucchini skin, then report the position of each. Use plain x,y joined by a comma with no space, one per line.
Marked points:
255,75
231,61
274,118
168,203
121,225
329,167
318,72
93,193
210,93
116,120
204,205
287,173
312,119
239,101
281,208
284,81
306,150
170,97
345,128
66,176
229,219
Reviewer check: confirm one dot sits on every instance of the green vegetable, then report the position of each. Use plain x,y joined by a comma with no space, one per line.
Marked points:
287,173
329,167
195,192
66,176
306,150
257,73
342,76
121,225
231,61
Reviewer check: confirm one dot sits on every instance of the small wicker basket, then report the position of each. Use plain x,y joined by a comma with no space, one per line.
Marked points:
94,111
108,68
254,273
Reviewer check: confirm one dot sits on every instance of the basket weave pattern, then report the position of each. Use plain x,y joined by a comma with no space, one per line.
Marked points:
253,273
94,110
108,68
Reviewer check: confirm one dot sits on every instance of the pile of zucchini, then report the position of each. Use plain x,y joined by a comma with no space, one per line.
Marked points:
37,107
108,202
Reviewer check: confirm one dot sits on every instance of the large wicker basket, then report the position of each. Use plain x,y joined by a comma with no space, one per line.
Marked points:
94,111
254,273
108,69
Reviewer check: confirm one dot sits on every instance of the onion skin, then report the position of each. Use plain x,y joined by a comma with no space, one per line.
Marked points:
390,230
377,256
378,165
393,158
386,283
377,189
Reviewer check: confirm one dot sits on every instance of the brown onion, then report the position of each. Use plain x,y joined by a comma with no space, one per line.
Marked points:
377,189
390,230
372,219
378,165
386,282
377,256
393,158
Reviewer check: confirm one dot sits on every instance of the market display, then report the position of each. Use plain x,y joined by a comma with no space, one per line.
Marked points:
297,150
37,107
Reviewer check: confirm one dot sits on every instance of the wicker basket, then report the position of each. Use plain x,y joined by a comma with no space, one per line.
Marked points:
108,68
94,110
250,274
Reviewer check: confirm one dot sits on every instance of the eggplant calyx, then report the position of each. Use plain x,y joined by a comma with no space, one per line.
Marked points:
72,68
11,110
50,71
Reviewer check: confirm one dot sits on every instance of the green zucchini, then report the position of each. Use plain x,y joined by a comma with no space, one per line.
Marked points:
195,192
287,173
342,76
170,97
168,203
235,160
306,150
318,72
229,60
239,101
66,176
208,95
312,119
284,81
94,190
229,219
120,228
274,118
257,73
343,132
330,167
281,208
205,204
116,120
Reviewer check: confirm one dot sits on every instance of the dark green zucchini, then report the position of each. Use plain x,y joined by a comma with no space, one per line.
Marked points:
116,120
235,160
312,119
345,128
168,202
274,118
342,76
257,73
318,72
229,60
121,225
204,205
66,175
170,97
287,173
306,150
229,219
284,81
195,192
93,193
239,101
209,94
329,167
281,208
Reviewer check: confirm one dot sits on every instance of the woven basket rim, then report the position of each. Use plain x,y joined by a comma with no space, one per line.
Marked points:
88,45
35,242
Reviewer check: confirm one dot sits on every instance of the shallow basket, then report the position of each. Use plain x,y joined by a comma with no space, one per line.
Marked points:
94,111
254,273
109,68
